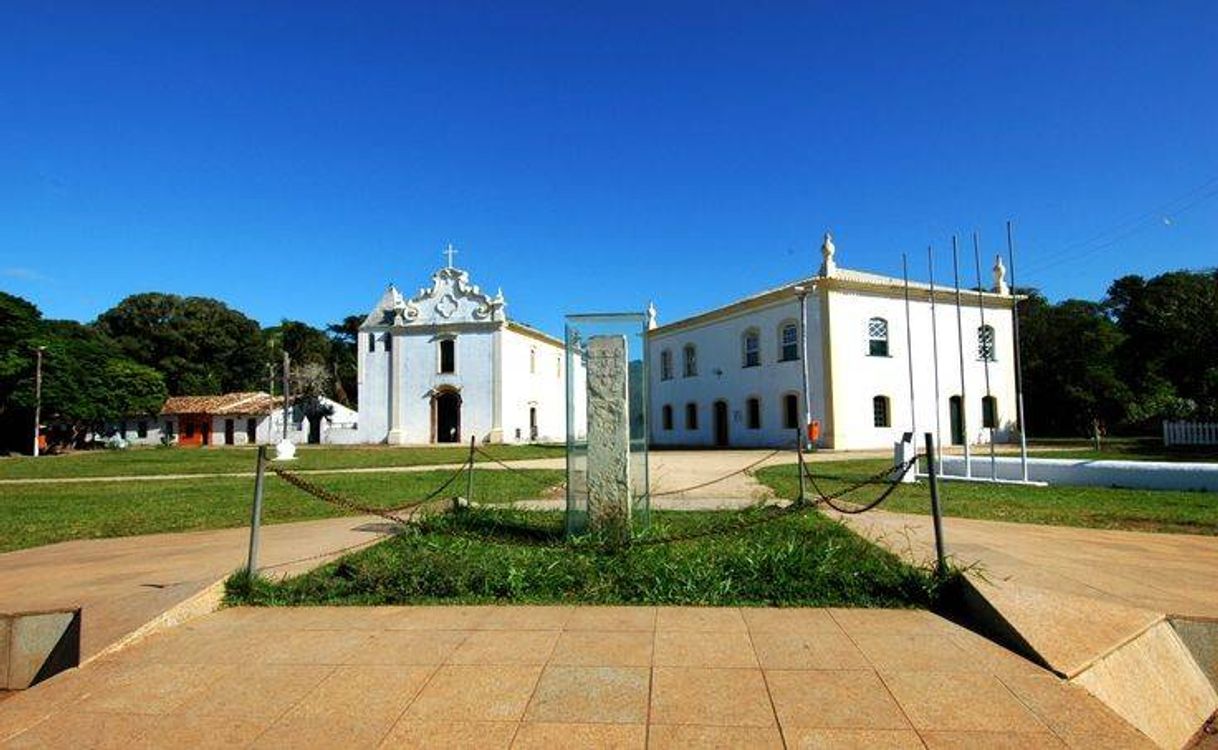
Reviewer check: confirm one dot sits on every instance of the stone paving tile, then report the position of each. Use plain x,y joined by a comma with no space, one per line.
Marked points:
454,735
365,691
681,648
710,619
81,729
526,618
314,646
785,650
202,732
576,736
435,618
604,648
336,732
960,702
711,697
506,647
889,621
153,688
918,652
839,699
258,690
794,620
1073,714
613,695
808,738
992,741
684,736
994,658
475,693
408,647
613,618
16,720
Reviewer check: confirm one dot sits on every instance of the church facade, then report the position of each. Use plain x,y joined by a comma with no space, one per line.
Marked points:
755,372
448,365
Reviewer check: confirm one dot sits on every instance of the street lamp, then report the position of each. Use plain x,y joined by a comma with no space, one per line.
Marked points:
38,398
802,293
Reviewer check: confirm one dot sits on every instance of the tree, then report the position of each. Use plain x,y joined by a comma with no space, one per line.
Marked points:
344,336
200,345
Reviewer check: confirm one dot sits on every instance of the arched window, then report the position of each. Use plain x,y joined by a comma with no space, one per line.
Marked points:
388,340
788,342
989,412
752,347
790,411
877,337
448,355
880,412
986,351
753,412
532,361
691,416
667,416
666,364
691,361
372,342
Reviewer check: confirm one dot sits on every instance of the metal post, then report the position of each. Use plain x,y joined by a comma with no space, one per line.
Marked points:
469,476
935,511
38,399
1023,433
799,465
256,514
968,460
286,387
986,358
913,412
934,339
803,355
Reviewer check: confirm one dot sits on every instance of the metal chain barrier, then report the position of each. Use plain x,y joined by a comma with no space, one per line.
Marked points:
744,470
897,470
522,473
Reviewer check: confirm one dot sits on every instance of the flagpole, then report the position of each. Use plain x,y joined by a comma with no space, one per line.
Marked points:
1023,433
913,412
934,337
986,355
968,463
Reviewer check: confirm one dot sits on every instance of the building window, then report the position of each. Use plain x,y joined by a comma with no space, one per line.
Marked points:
532,361
691,416
788,342
251,430
752,408
667,416
880,412
448,355
989,412
558,366
388,340
372,342
877,337
752,348
985,344
790,411
666,364
691,361
141,429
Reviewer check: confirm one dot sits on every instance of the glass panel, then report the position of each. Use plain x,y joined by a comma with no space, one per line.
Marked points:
579,329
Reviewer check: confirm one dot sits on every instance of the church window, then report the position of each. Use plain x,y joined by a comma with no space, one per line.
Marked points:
752,348
989,412
691,416
790,411
532,361
877,337
789,342
448,355
372,342
753,410
880,412
985,344
666,364
387,339
667,416
691,361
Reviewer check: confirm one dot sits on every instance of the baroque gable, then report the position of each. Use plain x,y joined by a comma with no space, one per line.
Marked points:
451,299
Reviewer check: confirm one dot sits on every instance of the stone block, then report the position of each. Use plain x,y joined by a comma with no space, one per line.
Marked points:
608,472
38,645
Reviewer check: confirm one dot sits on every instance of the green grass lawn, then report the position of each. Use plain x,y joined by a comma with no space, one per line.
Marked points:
1092,507
496,555
228,459
37,514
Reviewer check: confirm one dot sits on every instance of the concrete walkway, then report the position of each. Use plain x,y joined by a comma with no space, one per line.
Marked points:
522,677
124,583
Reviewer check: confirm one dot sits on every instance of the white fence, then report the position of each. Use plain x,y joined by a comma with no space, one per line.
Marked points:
1190,433
1142,475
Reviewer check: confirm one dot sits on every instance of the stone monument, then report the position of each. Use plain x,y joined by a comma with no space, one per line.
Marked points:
608,469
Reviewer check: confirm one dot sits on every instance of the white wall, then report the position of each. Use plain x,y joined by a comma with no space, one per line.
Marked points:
542,387
722,376
1150,475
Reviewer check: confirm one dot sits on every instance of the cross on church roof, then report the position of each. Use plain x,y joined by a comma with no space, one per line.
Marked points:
450,251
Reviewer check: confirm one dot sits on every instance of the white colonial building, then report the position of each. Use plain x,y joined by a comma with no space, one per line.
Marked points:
752,373
448,365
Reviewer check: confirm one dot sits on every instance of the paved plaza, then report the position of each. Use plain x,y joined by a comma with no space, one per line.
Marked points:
498,677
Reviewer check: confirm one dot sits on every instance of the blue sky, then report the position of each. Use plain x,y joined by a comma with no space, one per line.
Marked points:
293,158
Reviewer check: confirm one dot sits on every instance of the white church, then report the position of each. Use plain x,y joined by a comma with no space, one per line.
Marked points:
447,365
831,350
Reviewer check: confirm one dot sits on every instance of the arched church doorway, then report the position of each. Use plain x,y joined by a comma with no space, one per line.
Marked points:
721,436
446,416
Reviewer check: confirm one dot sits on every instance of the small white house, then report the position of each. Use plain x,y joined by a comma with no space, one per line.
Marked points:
756,372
